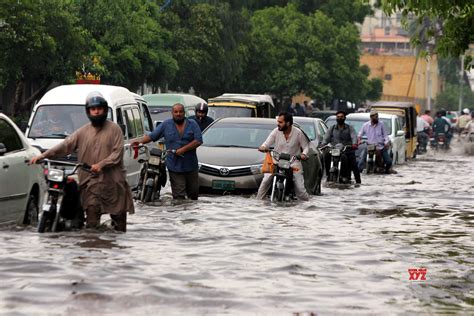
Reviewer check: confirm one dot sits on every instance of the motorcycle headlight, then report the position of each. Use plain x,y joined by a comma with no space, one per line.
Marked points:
284,164
335,152
256,169
154,160
55,175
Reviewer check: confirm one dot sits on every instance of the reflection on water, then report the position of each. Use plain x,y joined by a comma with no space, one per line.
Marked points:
345,252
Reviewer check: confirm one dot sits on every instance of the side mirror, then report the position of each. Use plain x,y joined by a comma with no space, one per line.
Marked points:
3,149
400,133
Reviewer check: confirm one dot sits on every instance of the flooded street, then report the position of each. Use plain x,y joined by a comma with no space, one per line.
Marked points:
345,252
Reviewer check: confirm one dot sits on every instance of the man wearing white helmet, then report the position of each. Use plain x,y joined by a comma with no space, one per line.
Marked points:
463,120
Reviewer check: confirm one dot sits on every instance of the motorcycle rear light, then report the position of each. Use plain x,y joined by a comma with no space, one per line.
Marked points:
55,186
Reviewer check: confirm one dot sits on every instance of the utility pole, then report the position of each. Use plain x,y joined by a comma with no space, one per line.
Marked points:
428,83
461,83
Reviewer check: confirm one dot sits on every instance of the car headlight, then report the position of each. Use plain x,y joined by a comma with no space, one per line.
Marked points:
256,169
55,175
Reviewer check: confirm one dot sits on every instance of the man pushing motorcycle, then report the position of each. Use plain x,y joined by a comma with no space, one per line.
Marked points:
286,139
100,145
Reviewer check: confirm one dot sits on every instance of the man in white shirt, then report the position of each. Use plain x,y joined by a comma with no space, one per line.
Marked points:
286,139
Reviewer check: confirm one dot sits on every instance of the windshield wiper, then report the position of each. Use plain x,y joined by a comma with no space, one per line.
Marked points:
60,135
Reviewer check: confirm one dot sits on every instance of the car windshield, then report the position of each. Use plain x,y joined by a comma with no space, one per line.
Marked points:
229,111
308,128
236,135
357,123
58,121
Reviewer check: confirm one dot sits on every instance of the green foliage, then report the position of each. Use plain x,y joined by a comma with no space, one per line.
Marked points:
452,33
128,41
39,40
208,44
449,98
292,52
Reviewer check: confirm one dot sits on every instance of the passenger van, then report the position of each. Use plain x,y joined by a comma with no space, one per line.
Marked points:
61,111
160,104
241,105
407,112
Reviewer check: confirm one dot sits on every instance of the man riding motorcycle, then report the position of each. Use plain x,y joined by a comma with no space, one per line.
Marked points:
286,139
442,126
342,133
377,134
201,110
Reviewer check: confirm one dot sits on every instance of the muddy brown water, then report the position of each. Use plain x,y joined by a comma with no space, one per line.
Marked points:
345,252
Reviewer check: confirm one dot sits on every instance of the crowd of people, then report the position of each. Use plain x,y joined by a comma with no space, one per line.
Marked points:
100,144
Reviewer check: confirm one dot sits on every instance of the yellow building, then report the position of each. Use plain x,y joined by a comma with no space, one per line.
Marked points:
405,78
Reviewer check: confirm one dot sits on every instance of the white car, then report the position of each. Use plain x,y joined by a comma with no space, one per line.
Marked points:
314,127
22,186
393,125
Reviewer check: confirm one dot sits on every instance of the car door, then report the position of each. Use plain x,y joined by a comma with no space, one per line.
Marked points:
132,126
14,179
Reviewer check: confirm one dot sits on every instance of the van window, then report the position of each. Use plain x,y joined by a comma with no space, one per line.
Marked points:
147,123
138,122
130,123
9,137
120,121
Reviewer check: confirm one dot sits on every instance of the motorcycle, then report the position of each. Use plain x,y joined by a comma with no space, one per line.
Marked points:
283,186
374,161
152,175
335,168
423,138
62,208
439,142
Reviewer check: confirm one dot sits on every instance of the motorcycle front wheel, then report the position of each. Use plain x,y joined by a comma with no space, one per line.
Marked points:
148,194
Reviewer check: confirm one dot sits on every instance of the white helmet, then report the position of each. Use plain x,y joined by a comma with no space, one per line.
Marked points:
466,111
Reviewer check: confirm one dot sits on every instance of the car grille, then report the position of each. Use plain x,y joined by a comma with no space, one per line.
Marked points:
219,172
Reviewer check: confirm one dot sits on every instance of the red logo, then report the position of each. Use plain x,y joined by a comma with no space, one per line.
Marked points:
417,274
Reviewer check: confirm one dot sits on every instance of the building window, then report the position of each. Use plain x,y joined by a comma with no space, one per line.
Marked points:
388,77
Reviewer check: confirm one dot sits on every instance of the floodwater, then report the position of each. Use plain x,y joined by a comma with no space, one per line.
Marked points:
345,252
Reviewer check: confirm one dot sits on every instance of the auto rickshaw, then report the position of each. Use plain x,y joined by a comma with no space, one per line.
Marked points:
406,111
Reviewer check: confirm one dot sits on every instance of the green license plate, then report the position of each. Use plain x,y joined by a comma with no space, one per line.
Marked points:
223,185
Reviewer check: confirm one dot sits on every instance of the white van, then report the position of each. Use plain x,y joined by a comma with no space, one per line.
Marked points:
61,111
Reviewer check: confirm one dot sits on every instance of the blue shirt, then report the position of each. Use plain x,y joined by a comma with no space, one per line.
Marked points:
376,134
174,140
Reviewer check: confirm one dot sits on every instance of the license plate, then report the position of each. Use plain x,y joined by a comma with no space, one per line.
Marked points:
223,185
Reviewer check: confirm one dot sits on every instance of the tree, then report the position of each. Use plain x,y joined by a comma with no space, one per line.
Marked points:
452,35
40,41
292,53
128,41
449,97
208,45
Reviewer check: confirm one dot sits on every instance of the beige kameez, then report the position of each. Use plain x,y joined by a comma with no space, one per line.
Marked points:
102,146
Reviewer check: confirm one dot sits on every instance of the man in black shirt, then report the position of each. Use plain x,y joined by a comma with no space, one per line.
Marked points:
201,117
342,133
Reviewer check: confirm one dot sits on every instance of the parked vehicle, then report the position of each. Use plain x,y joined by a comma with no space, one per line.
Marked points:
394,126
152,176
323,115
241,105
62,209
230,162
407,112
21,186
160,104
61,111
283,186
315,128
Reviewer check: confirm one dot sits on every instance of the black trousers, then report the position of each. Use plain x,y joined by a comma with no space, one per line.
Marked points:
348,165
184,184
